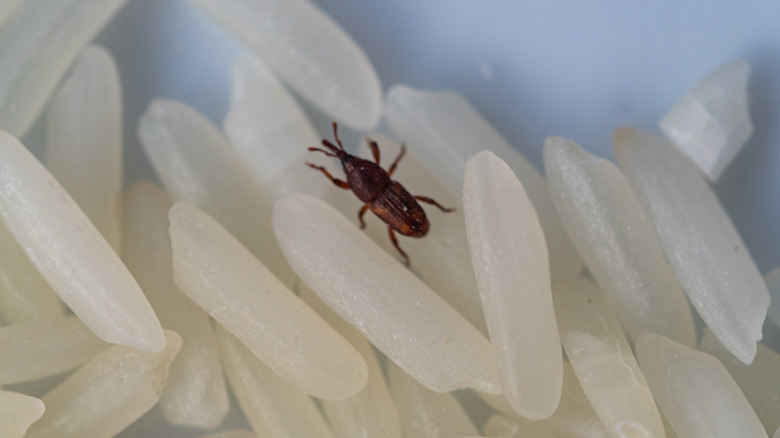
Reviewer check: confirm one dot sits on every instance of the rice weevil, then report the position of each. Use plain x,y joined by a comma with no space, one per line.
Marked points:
386,198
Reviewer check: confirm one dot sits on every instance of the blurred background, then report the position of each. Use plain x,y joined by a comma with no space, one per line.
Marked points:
532,68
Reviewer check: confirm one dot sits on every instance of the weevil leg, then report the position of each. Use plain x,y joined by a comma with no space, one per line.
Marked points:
339,183
397,159
374,149
397,247
428,200
361,212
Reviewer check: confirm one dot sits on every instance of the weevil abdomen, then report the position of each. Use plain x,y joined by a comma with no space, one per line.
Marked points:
398,209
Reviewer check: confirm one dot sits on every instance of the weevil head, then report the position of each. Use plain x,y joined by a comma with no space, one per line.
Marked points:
333,151
337,151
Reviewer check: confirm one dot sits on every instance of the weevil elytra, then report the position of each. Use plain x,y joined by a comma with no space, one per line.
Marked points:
386,198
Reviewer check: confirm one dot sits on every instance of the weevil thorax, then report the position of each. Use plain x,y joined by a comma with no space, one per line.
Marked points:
366,178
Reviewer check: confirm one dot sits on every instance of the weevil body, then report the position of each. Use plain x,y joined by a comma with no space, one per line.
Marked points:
386,198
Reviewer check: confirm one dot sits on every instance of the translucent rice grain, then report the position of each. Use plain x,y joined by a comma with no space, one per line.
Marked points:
71,254
513,272
710,124
498,425
696,393
41,349
574,417
24,294
441,259
273,407
84,146
445,131
269,131
17,412
195,393
391,307
758,381
616,241
231,285
309,51
371,412
107,394
603,362
670,433
38,42
424,413
699,241
773,284
196,164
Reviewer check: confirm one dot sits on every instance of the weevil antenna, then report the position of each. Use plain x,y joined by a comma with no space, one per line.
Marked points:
336,135
330,154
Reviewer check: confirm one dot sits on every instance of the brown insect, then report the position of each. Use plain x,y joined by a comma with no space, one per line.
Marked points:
388,199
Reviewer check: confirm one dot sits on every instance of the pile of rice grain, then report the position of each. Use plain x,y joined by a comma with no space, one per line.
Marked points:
245,272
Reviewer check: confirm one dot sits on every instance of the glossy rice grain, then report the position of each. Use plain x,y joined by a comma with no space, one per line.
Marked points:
603,361
195,393
272,405
425,413
391,307
107,394
616,241
40,349
71,254
370,412
307,49
196,164
513,273
698,239
695,391
17,412
269,130
222,277
84,147
38,42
